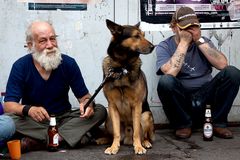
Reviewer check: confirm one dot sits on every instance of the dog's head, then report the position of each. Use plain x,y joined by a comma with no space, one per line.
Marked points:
128,39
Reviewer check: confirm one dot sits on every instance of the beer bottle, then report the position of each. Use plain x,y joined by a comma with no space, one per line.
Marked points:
53,136
207,126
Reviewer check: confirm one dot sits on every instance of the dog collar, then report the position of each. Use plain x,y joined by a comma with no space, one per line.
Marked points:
117,72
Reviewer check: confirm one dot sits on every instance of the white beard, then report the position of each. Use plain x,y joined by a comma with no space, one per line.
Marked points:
48,59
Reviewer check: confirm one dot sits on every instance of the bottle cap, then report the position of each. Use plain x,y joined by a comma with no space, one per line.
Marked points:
208,106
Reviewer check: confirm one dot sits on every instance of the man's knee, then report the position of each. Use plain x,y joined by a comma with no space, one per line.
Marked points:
233,74
7,127
166,83
101,112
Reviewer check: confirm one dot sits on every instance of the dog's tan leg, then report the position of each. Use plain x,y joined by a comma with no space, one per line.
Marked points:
138,148
115,117
148,129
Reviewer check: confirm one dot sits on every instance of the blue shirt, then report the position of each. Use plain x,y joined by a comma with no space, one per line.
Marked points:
25,84
196,69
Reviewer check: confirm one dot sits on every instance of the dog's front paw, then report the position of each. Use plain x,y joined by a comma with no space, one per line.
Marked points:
147,144
111,150
139,150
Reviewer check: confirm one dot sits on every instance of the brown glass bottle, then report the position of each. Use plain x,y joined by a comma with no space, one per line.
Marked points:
207,126
53,136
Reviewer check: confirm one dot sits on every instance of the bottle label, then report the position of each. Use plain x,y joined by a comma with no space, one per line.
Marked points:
55,139
52,121
208,113
207,130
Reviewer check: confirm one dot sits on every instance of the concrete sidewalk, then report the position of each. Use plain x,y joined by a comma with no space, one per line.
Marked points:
166,147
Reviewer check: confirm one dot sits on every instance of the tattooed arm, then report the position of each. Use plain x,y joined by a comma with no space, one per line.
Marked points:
215,57
174,65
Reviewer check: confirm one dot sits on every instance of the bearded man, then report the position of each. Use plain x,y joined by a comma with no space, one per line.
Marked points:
38,87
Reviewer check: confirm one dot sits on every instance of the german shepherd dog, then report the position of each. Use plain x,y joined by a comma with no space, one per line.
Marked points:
129,120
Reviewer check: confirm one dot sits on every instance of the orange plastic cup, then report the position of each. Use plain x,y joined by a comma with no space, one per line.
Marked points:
14,148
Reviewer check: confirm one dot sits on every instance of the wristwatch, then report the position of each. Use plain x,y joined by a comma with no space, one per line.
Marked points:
200,41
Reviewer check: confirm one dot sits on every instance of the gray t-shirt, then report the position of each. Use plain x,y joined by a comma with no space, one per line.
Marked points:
196,69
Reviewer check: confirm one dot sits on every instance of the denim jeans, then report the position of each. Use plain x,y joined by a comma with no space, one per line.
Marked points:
220,93
7,128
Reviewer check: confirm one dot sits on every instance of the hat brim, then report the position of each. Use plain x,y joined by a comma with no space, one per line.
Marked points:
188,22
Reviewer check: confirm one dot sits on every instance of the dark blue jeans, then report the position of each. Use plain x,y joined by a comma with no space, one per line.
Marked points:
177,101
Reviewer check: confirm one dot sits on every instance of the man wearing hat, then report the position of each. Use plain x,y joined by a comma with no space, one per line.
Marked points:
186,85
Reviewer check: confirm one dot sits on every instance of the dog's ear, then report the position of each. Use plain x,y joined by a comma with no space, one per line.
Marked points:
114,28
137,25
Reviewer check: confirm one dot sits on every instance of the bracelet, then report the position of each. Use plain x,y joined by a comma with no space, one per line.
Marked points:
26,109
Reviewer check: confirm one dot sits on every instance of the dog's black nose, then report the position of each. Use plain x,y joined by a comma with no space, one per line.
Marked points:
152,47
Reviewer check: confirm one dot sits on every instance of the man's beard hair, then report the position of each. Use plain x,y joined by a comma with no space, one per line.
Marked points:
48,59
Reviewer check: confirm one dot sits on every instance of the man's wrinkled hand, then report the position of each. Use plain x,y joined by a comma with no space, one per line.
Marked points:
195,31
185,36
88,112
38,114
